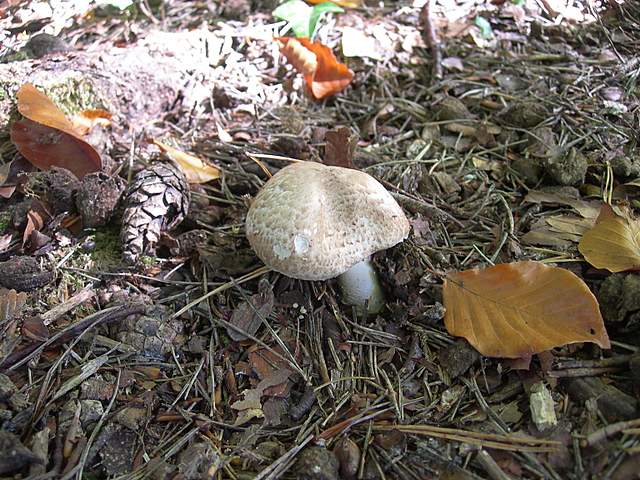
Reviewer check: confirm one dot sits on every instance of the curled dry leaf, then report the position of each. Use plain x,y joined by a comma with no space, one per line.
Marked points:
194,169
84,121
613,243
47,138
519,309
323,74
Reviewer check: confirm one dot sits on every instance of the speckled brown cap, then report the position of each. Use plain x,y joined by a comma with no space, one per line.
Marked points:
314,222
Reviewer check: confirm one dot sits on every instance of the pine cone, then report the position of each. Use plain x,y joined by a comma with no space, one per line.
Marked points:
156,201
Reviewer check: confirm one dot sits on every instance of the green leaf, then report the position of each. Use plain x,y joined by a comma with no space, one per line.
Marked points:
484,26
303,19
298,14
520,3
318,10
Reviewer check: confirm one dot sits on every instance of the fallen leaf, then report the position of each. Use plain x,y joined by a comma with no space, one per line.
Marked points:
355,43
36,106
249,314
453,63
518,309
585,209
300,57
84,121
194,168
34,329
264,361
484,26
302,18
5,242
47,138
340,147
35,221
323,74
223,135
613,243
251,406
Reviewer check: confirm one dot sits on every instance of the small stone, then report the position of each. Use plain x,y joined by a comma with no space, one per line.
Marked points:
44,44
457,358
528,169
451,108
294,147
625,167
196,461
348,454
317,463
541,403
567,168
524,114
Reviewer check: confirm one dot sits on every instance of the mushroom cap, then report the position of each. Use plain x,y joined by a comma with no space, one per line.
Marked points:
314,222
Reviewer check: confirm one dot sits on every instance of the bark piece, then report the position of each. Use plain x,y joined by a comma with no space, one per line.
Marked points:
98,198
23,274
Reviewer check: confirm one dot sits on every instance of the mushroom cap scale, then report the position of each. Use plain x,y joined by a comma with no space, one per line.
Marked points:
314,222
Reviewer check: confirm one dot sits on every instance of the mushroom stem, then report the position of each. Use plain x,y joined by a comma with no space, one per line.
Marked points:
360,286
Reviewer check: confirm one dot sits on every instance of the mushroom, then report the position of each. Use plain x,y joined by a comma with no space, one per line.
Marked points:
315,222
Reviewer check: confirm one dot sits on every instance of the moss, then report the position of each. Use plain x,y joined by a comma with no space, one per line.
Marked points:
5,220
108,251
74,95
148,261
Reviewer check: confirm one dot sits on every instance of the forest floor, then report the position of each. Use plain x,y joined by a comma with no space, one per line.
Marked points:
109,370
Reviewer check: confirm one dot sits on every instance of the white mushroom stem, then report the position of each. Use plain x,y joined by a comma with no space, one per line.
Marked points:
360,286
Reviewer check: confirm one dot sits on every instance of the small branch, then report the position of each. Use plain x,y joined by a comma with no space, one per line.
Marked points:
108,315
430,37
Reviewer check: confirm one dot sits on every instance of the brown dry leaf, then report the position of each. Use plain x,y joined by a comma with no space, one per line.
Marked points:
47,138
340,147
613,243
35,222
251,406
247,316
559,197
323,74
265,360
84,121
194,168
518,309
11,304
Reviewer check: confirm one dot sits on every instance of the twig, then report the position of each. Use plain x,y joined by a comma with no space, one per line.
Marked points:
431,38
108,315
606,432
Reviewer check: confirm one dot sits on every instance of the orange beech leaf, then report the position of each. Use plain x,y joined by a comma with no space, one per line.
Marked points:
613,243
342,3
47,138
195,169
519,309
36,106
324,75
302,59
84,121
